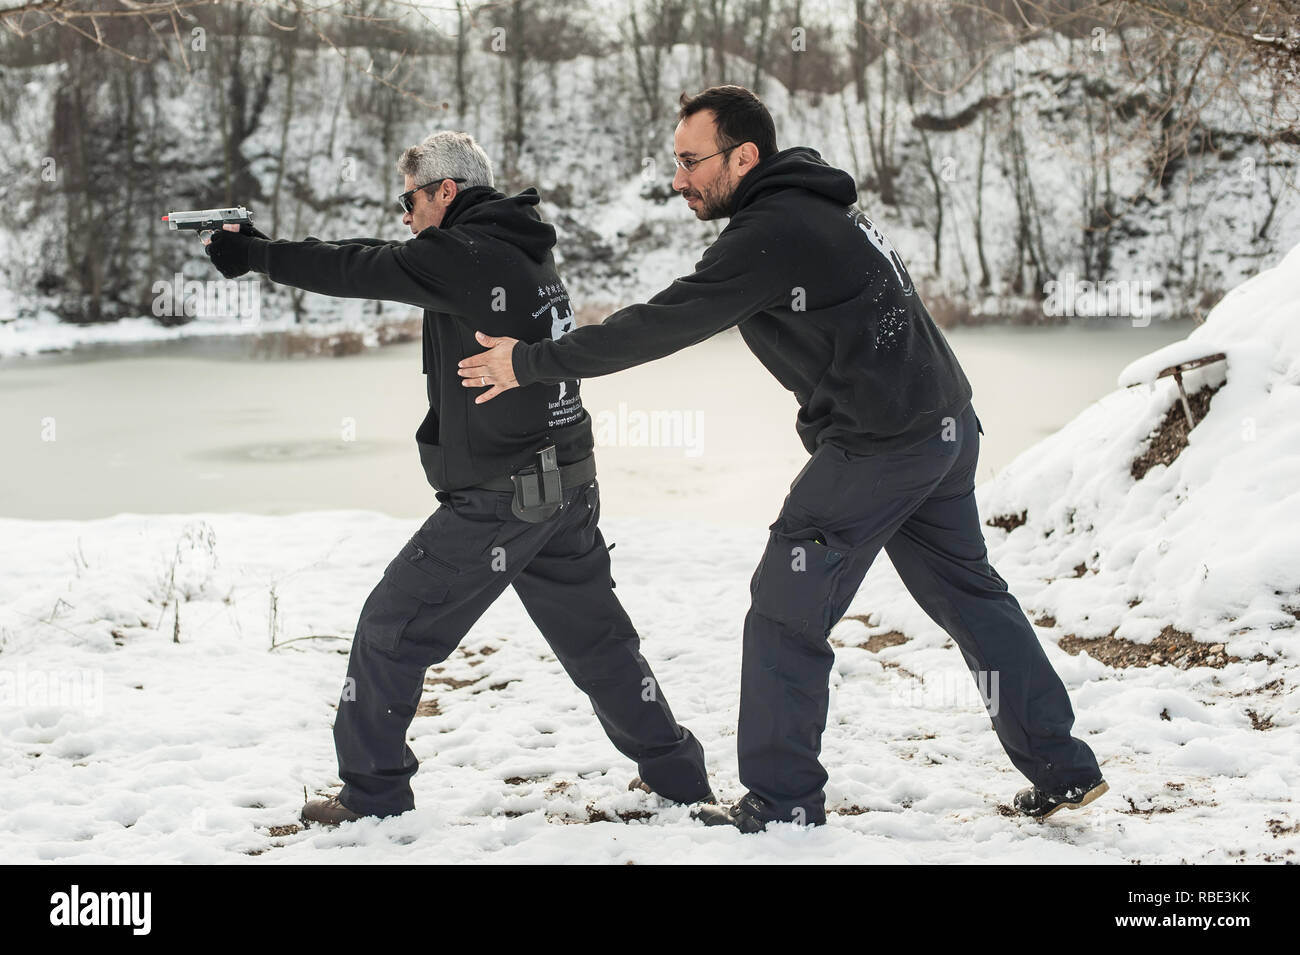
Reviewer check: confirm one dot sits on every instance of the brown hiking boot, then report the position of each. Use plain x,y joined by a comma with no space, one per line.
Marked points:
328,812
639,783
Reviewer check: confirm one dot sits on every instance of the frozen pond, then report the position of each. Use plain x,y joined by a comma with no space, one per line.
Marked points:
207,425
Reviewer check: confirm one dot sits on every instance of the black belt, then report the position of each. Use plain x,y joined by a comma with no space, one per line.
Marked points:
571,475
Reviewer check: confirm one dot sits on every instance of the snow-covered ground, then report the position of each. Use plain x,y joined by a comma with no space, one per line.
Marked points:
120,744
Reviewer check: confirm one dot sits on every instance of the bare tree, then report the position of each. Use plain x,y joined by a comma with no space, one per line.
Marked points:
715,22
868,48
462,48
518,60
651,29
764,22
792,75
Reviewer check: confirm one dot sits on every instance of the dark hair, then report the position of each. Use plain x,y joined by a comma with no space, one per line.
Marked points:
741,116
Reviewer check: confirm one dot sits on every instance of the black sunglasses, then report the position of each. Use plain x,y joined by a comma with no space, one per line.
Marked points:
404,200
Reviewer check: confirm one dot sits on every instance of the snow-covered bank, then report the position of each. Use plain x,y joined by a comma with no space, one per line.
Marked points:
34,336
1207,544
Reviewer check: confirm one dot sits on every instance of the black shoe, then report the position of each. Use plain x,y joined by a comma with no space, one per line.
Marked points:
750,814
639,783
1038,804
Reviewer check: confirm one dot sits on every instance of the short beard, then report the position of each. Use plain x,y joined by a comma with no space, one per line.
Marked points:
715,204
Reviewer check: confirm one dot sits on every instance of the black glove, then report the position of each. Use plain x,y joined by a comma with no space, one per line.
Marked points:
229,252
247,228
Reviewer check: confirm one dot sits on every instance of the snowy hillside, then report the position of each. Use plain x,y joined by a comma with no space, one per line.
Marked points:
323,164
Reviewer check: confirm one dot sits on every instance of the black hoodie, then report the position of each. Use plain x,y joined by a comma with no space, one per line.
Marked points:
821,298
488,267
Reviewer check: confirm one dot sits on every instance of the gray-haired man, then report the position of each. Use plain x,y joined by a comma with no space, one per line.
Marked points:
516,482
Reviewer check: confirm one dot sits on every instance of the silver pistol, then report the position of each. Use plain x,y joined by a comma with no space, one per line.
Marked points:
204,221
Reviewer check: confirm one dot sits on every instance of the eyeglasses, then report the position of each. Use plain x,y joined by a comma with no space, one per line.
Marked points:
404,201
690,164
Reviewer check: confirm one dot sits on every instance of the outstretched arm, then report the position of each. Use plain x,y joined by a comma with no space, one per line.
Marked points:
738,276
415,272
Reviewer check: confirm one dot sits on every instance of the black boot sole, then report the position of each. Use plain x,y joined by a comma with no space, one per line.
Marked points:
1100,789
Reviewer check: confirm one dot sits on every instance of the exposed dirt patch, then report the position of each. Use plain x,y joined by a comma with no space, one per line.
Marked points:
849,810
879,641
1272,686
1163,808
1133,809
288,830
428,707
1280,828
1046,620
557,787
1008,522
904,671
1260,722
1170,436
629,815
1172,647
451,682
874,643
863,618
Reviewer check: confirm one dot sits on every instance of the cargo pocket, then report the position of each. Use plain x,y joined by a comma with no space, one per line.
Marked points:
796,583
414,581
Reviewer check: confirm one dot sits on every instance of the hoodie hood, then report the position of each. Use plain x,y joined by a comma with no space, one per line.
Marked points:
800,167
511,219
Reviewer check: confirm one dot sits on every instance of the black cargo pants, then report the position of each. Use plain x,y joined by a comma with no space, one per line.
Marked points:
456,565
919,505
